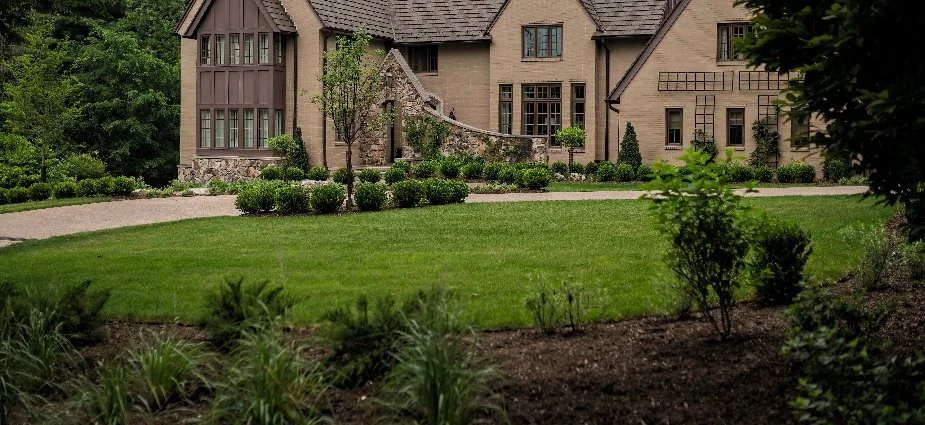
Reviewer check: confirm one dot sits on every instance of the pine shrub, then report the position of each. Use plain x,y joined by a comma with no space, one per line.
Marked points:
629,148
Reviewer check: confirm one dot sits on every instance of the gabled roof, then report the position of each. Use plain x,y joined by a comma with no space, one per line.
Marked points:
620,18
374,16
430,21
647,52
276,15
279,15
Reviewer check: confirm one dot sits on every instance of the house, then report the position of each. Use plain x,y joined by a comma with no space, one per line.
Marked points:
506,69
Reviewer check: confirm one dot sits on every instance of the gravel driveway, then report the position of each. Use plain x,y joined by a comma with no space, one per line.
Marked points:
42,224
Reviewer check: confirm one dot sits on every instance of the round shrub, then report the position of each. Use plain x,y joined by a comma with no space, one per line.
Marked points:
835,168
84,166
318,174
796,172
473,170
578,168
370,196
105,185
4,196
492,170
605,172
535,179
509,175
625,173
328,198
40,191
644,173
292,200
370,175
740,173
256,198
122,186
781,251
559,167
86,188
395,175
342,176
18,195
425,169
272,173
408,193
443,191
449,168
764,174
591,168
294,173
402,165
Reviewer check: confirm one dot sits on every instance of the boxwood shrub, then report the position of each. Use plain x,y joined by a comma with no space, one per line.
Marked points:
764,174
328,198
272,172
625,173
443,191
18,195
605,172
395,175
492,170
402,165
796,172
835,168
780,253
318,174
559,167
4,196
408,193
86,188
122,186
591,168
535,179
370,196
39,191
292,200
258,197
449,168
425,169
473,170
295,173
740,173
341,176
370,175
644,173
578,168
509,175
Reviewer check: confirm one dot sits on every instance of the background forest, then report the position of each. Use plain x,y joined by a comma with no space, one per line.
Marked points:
97,77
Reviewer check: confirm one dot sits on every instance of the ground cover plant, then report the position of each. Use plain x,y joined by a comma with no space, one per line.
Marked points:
483,259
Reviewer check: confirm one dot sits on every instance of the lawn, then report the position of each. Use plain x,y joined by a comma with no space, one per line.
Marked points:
51,203
617,186
491,254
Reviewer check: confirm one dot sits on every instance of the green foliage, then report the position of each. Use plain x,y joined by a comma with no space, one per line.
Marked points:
449,168
269,382
704,142
835,168
402,165
4,196
39,191
122,186
535,179
292,200
257,197
559,167
779,255
394,175
426,134
767,140
629,148
473,170
877,258
83,166
555,306
606,172
740,173
298,158
426,169
318,174
18,195
571,137
79,313
342,176
492,170
644,173
108,401
286,147
370,175
164,372
234,309
764,174
442,191
592,166
578,168
509,175
294,174
370,196
328,198
796,172
703,220
273,172
408,193
625,173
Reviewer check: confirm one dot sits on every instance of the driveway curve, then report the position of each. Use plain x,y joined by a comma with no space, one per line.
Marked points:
47,223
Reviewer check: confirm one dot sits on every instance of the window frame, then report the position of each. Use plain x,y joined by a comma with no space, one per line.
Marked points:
279,48
234,140
424,59
539,101
553,50
248,49
263,128
249,118
205,128
234,49
263,48
803,120
279,122
205,50
506,98
220,128
725,48
729,127
668,129
220,49
583,101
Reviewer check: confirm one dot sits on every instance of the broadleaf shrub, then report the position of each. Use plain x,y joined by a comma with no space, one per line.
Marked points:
4,196
780,253
472,170
292,200
644,173
370,196
764,174
18,195
408,193
370,175
342,176
492,170
395,175
449,168
235,308
605,172
83,166
425,169
443,191
328,198
258,197
318,174
39,191
401,165
122,186
509,175
578,168
559,167
272,172
835,167
740,173
535,179
625,173
796,172
294,173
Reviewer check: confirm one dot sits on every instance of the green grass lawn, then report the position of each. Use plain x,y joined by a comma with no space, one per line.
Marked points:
616,186
51,203
488,253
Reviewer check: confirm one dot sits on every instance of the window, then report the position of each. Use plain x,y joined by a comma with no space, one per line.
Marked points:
205,50
248,49
280,49
506,110
264,48
735,121
220,129
423,58
249,128
578,105
278,130
674,122
728,34
219,49
263,127
799,130
542,42
233,129
235,41
542,110
205,129
704,116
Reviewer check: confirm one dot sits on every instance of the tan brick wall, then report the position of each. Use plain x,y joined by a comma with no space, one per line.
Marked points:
462,81
577,65
691,45
622,54
188,113
310,65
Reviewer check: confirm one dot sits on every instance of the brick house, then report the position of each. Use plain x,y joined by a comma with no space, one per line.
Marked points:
507,67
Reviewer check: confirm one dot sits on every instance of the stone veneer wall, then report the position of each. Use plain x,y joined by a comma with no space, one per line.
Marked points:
228,169
505,147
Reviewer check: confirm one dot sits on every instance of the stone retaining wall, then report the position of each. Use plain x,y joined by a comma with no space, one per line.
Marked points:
228,169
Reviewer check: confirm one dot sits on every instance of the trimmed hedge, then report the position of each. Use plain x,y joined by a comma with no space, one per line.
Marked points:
449,168
402,165
578,168
292,200
443,191
559,167
342,176
764,174
370,196
796,172
605,172
328,198
395,175
509,175
408,193
535,179
272,172
425,169
740,173
40,191
370,175
318,174
625,173
835,168
122,186
4,196
18,195
473,170
492,170
644,173
295,173
258,197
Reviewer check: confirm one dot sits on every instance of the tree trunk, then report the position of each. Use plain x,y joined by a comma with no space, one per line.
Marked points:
571,162
349,175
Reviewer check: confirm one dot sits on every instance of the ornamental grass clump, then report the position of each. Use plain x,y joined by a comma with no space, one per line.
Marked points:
165,372
235,308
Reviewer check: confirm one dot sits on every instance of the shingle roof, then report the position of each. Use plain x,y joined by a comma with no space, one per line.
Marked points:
628,17
279,15
348,15
443,20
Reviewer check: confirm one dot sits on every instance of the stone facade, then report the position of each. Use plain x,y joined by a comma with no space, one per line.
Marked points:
229,169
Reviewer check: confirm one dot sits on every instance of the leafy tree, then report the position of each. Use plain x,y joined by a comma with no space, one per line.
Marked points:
571,138
629,148
350,88
862,83
299,157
